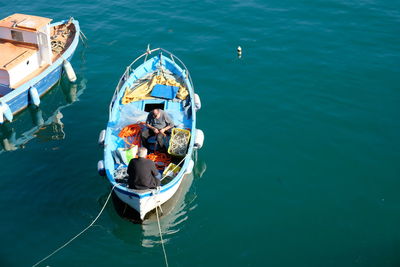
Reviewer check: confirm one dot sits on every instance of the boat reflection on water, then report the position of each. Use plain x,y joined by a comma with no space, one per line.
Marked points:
52,131
43,122
175,212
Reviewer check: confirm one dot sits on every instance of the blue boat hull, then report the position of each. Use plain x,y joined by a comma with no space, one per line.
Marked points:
18,99
143,201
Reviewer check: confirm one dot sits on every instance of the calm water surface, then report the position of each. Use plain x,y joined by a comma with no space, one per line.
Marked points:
301,159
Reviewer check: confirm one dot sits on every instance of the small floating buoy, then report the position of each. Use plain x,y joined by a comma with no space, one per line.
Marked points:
100,168
199,139
239,51
35,99
197,102
70,71
102,137
5,112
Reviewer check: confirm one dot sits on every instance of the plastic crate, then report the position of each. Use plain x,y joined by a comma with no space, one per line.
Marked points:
179,142
172,170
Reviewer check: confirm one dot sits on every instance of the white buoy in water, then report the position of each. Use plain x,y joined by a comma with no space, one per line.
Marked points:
35,99
197,102
70,71
239,51
5,112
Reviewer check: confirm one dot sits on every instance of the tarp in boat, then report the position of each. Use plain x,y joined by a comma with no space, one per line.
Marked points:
143,91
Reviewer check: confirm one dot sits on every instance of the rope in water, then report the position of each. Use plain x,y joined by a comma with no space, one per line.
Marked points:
84,230
162,240
98,216
158,218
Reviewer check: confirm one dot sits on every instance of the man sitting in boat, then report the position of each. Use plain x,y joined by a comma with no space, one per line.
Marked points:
158,124
142,172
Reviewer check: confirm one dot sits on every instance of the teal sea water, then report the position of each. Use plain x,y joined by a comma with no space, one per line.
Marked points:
301,162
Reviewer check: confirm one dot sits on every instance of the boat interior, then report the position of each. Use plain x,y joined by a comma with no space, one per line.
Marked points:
61,37
164,90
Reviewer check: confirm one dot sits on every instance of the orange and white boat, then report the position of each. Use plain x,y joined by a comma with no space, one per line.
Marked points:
33,54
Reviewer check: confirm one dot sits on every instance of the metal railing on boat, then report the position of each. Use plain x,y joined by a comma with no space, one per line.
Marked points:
131,68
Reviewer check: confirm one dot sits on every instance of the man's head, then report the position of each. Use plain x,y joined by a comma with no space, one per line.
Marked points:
142,153
156,112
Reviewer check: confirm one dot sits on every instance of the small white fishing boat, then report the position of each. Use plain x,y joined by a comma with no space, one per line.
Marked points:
33,54
161,81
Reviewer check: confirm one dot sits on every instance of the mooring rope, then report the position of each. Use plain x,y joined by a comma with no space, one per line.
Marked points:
158,219
162,240
98,216
173,169
84,230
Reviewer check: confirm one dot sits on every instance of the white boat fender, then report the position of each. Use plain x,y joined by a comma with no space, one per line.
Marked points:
100,168
199,139
197,102
102,137
190,167
35,99
5,112
70,71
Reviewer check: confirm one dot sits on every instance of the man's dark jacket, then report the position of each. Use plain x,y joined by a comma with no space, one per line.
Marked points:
142,174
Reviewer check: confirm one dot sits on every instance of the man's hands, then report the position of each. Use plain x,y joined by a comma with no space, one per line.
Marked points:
157,131
154,129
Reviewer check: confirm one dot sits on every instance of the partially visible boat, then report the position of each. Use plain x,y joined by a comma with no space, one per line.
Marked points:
164,82
33,54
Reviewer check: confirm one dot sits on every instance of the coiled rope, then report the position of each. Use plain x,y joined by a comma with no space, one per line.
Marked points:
84,230
131,134
161,160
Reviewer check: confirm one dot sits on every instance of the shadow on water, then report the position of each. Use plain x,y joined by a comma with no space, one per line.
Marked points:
43,122
175,212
